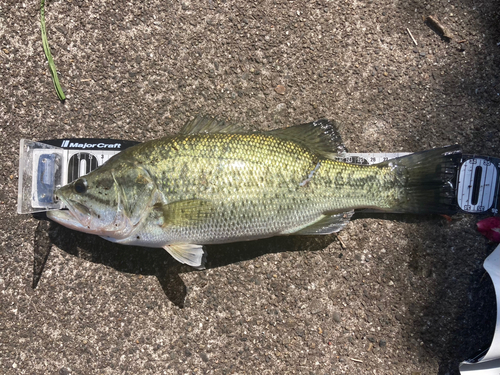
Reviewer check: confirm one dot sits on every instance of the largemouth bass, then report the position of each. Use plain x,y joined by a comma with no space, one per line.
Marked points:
215,183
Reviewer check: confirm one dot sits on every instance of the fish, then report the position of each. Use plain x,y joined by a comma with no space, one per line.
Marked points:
215,183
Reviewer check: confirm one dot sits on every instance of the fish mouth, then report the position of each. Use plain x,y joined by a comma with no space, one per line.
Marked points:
82,213
77,216
67,219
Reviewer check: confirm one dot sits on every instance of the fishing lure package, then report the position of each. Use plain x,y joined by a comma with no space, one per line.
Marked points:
46,165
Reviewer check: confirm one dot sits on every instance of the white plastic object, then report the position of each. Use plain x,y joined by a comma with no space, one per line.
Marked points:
489,364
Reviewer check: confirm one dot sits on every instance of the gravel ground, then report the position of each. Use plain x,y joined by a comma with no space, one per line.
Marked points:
399,294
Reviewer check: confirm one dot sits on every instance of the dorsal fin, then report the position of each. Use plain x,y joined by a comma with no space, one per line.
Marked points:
210,125
320,136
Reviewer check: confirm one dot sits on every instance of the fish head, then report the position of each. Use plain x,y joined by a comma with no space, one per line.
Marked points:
97,204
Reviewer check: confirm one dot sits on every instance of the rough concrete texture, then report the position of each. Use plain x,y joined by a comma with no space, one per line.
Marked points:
398,294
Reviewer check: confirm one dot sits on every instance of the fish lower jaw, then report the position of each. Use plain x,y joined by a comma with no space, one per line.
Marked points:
67,219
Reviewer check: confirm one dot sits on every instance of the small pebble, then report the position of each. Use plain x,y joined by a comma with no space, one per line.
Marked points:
204,357
280,89
336,316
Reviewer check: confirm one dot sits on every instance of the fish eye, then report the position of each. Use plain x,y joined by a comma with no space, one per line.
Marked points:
81,186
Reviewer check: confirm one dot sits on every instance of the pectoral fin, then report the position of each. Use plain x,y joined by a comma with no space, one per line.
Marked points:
192,255
186,212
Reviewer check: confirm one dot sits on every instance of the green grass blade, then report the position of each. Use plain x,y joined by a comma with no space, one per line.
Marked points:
46,49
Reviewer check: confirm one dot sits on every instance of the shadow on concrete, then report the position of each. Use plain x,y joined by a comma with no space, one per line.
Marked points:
157,262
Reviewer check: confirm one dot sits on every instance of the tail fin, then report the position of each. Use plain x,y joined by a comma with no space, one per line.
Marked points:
429,180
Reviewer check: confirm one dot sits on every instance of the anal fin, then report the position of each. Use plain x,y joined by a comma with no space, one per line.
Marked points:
327,225
190,254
